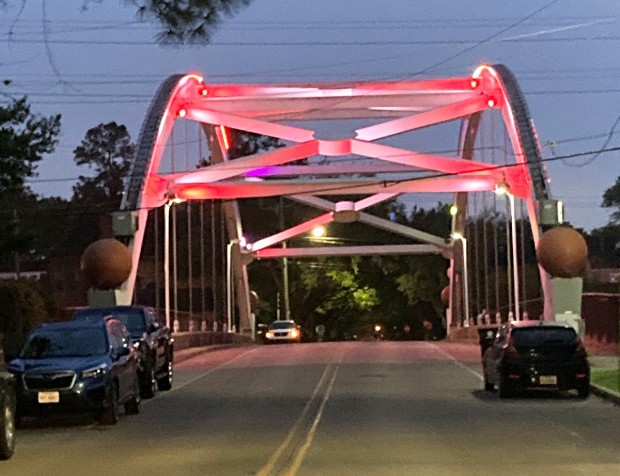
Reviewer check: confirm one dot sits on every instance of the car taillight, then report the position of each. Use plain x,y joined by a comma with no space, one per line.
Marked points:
581,349
510,350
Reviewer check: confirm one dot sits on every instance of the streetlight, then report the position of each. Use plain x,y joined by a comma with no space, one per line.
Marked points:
167,205
230,285
463,240
503,190
318,231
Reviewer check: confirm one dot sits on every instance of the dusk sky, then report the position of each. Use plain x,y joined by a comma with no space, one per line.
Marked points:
100,64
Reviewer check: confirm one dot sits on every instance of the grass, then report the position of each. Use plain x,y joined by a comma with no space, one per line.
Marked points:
609,378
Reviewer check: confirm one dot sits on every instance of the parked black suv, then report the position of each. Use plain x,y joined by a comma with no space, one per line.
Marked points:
7,414
536,354
88,366
153,342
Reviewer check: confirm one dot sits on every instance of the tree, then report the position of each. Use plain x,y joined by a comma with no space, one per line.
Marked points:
181,21
187,21
108,150
24,139
611,199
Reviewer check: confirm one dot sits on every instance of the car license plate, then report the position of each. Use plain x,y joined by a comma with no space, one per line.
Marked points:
548,380
49,397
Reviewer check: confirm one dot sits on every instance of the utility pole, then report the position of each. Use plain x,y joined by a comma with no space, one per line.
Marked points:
285,284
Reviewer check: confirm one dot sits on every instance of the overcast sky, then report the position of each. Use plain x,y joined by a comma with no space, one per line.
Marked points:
101,65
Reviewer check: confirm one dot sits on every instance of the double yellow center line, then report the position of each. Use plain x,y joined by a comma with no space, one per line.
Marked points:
288,457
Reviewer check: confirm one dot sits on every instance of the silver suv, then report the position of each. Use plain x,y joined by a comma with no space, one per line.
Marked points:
283,331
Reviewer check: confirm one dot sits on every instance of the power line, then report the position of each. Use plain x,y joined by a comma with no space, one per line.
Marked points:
322,43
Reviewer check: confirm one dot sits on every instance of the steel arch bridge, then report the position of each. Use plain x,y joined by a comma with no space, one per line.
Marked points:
393,108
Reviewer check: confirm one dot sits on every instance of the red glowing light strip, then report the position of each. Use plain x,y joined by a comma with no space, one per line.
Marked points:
225,137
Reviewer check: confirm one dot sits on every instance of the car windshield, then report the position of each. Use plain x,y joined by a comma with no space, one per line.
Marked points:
65,343
537,336
282,325
132,319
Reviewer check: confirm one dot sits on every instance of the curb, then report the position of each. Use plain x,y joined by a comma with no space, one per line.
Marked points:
606,394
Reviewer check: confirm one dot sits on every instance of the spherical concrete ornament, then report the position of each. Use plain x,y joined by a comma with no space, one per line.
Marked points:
445,295
344,212
106,264
563,252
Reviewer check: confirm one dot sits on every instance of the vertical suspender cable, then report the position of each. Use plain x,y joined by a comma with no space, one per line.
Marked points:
523,280
485,237
223,246
476,264
190,282
175,295
495,225
202,234
507,227
156,257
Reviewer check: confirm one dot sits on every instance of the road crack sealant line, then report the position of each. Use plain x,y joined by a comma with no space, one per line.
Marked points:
289,456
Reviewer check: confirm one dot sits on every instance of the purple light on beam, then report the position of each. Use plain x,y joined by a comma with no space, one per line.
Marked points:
261,172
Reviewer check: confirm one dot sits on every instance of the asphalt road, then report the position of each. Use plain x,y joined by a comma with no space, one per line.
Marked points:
348,408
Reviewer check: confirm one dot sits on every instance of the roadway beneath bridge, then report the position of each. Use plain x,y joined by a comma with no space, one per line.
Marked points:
362,408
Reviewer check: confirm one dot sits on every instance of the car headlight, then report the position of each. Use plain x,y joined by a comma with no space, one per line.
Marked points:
294,333
95,372
268,335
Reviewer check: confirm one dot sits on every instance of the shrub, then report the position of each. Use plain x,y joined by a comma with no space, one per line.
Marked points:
21,308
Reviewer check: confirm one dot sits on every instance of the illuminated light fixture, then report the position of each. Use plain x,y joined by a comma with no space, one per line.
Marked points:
195,192
225,139
318,231
491,102
377,328
454,210
204,91
474,83
182,113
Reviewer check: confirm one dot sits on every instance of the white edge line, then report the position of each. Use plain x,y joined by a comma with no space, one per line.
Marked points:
185,384
472,371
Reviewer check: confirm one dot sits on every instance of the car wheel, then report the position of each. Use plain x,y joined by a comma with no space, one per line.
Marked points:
148,382
132,407
7,427
583,389
505,389
165,382
489,387
109,415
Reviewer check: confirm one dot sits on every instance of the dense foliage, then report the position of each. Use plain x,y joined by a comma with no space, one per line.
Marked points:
22,307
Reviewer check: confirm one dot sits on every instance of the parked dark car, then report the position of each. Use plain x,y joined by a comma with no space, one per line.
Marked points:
153,342
261,330
77,366
7,414
536,354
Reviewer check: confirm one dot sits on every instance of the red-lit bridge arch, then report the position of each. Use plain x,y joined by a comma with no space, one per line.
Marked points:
391,109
